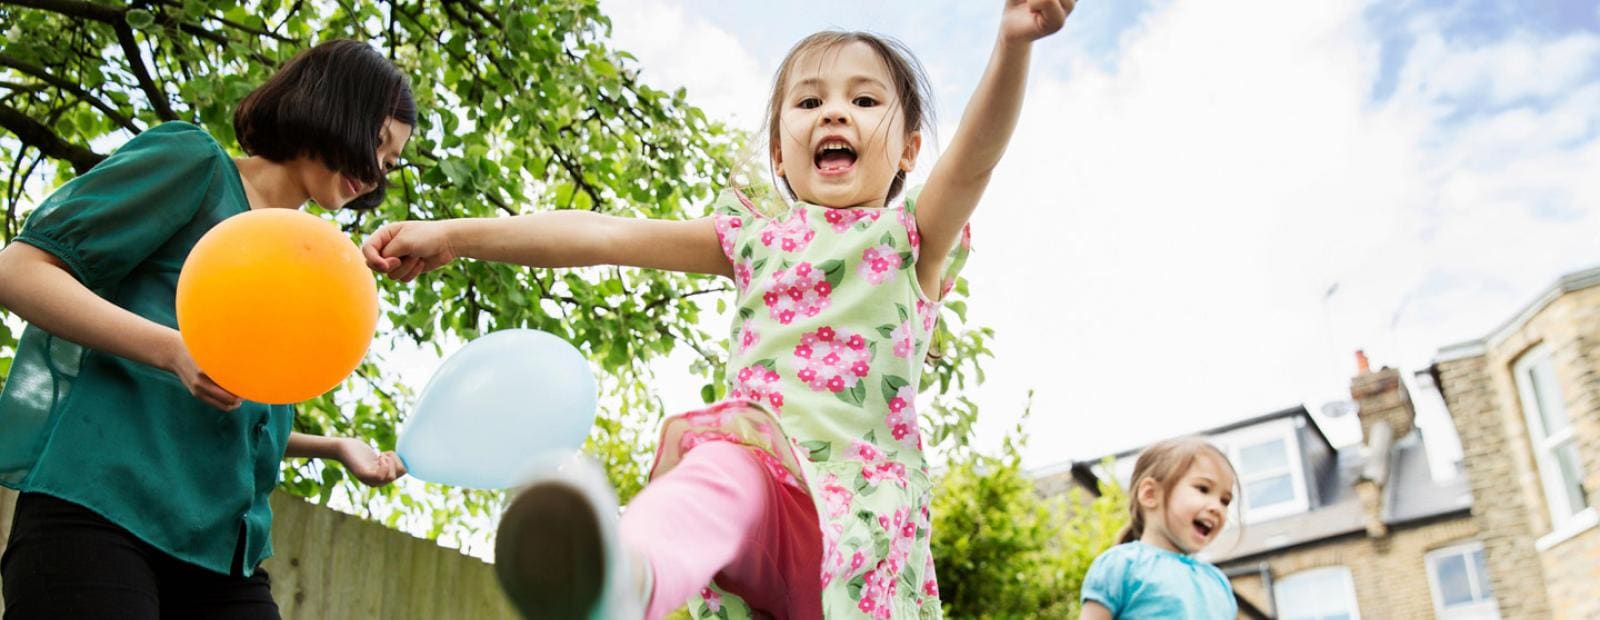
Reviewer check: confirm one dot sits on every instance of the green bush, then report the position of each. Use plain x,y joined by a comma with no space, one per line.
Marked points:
1003,551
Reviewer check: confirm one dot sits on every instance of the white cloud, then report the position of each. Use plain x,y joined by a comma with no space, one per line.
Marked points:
679,49
1174,222
1518,67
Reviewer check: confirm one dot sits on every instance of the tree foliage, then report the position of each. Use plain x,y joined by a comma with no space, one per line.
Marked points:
1004,551
525,106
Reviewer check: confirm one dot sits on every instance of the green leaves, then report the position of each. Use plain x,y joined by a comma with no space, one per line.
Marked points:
1006,552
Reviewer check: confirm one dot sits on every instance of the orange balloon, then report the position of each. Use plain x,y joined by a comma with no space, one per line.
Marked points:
276,306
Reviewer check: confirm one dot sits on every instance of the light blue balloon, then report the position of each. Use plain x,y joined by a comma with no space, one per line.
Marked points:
504,400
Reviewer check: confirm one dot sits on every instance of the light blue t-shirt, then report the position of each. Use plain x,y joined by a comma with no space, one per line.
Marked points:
1136,580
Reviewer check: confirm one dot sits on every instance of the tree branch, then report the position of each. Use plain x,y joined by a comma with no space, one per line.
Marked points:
75,8
657,303
39,72
41,137
130,48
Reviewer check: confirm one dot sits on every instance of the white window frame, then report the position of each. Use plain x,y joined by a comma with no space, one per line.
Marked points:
1233,444
1546,445
1343,573
1478,609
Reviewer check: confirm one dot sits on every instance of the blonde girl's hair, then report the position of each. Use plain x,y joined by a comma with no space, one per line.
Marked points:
1165,462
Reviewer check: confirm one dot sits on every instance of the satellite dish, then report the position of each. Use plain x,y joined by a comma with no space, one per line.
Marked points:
1339,408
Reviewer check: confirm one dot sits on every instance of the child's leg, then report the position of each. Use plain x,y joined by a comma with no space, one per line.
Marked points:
720,514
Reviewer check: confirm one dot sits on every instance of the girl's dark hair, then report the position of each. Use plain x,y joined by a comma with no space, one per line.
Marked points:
912,91
1165,462
329,102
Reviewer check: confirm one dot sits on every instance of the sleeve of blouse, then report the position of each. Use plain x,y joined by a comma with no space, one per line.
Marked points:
107,221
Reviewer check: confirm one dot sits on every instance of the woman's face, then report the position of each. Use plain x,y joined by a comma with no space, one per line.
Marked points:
332,190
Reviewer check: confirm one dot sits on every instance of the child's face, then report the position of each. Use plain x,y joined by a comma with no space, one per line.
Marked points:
333,190
841,131
1197,508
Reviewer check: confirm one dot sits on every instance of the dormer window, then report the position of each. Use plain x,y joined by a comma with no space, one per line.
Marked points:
1267,458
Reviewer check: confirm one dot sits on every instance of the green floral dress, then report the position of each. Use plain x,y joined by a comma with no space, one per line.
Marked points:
827,351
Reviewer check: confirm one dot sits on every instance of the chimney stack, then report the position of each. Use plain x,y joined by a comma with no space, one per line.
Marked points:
1381,397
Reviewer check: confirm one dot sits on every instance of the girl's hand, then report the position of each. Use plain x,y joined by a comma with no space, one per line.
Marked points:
405,250
1025,21
367,465
201,386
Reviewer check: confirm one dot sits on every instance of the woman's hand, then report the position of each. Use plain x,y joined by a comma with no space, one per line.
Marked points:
1025,21
367,465
405,250
181,364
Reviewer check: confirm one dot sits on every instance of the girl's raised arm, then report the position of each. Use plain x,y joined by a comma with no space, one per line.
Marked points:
962,173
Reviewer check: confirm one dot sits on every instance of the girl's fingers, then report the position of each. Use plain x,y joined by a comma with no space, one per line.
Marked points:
1052,14
373,250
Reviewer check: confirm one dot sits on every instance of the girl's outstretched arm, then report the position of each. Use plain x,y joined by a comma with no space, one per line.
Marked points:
404,250
962,173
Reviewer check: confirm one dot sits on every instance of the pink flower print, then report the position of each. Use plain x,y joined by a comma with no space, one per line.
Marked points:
878,264
864,452
890,471
877,592
728,227
902,418
930,315
713,416
758,383
832,360
836,496
748,336
742,273
833,560
776,469
790,235
902,340
909,220
856,561
692,439
712,599
843,219
930,588
799,291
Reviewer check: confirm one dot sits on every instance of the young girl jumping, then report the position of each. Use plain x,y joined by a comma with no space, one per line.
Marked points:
1179,496
805,493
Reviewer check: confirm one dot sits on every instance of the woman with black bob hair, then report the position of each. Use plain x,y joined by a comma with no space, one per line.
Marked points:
144,485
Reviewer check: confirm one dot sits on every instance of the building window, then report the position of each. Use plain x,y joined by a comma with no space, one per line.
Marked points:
1268,462
1460,584
1550,430
1317,594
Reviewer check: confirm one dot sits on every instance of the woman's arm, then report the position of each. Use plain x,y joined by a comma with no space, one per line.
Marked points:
404,250
962,173
1093,611
367,465
38,287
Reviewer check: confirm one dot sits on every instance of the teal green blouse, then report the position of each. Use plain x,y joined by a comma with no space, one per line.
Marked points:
123,439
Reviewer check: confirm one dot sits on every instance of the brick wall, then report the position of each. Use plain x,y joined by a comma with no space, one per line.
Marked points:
1390,574
1508,492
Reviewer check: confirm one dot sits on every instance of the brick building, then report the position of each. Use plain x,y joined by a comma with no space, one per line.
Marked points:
1337,532
1526,403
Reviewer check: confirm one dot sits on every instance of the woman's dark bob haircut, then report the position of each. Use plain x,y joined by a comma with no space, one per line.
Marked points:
329,102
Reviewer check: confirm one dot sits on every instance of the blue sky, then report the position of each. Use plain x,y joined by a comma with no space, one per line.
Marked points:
1190,180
